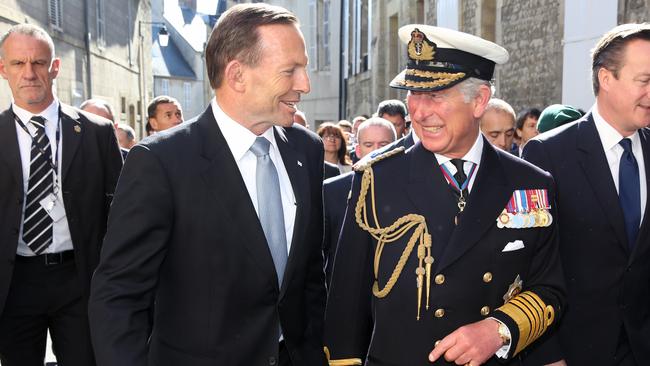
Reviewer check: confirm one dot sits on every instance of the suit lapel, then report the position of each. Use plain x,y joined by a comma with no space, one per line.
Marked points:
71,132
10,152
591,157
294,162
430,194
225,184
490,194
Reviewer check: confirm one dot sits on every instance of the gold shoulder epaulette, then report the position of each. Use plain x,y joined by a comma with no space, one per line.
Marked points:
388,234
365,163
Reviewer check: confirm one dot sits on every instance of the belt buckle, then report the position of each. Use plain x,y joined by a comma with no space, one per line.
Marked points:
52,259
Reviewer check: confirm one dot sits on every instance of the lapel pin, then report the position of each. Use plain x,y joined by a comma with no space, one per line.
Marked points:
77,129
299,163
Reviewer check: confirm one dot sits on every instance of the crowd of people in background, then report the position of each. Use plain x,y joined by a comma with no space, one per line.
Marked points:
262,238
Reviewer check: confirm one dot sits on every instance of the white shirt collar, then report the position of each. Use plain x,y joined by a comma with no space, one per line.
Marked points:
239,138
473,155
609,137
51,113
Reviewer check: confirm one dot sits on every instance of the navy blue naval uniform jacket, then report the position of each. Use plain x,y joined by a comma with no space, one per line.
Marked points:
471,272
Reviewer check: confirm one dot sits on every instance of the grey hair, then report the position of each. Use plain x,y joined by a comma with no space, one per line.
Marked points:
470,87
501,106
128,130
30,30
100,103
379,122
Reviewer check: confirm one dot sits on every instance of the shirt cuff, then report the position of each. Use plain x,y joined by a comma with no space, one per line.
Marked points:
505,349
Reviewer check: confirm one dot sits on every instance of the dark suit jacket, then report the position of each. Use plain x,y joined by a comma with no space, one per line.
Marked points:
477,273
183,230
335,200
608,287
330,170
91,164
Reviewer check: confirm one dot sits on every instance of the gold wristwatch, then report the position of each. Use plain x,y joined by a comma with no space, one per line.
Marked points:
504,334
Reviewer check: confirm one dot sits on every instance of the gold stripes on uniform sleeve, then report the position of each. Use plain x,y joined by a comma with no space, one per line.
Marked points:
531,315
342,362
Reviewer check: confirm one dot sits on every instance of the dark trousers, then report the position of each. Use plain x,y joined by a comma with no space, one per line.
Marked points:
43,297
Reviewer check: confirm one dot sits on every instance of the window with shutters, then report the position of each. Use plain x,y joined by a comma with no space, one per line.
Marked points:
55,14
101,24
312,35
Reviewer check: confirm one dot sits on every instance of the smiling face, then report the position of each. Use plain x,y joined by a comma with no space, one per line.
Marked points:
444,122
28,66
624,101
273,86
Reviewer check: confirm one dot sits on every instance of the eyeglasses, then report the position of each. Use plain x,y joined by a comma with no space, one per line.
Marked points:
331,137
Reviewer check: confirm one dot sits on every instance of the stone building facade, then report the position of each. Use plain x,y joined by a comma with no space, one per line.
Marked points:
534,32
108,64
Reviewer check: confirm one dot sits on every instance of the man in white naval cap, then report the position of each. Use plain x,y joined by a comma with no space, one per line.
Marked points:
448,253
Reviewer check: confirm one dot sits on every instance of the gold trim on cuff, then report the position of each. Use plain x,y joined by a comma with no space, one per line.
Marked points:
342,362
531,315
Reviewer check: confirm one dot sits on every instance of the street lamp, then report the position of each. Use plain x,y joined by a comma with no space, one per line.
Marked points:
163,34
163,41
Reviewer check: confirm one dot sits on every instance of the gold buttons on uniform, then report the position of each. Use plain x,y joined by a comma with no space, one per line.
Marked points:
439,313
487,277
485,310
440,279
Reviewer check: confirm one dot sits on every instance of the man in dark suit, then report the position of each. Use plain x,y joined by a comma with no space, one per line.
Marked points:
219,220
373,134
58,170
447,254
601,164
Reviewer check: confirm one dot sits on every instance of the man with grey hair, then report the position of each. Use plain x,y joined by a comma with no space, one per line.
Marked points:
372,134
498,123
125,136
102,108
440,258
601,165
99,107
218,221
59,169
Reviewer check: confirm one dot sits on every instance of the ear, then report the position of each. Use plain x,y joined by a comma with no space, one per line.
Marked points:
481,100
357,150
154,123
605,78
54,69
234,76
3,71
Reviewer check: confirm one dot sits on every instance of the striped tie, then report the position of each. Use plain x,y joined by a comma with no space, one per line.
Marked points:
37,227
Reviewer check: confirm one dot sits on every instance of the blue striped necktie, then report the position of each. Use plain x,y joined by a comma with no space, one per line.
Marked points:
37,226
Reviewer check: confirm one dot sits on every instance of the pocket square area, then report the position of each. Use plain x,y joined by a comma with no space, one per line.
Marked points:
513,245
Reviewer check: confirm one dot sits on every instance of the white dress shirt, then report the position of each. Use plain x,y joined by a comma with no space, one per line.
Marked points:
472,156
61,239
610,138
239,140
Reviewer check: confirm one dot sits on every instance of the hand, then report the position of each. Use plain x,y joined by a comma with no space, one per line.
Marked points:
558,363
471,344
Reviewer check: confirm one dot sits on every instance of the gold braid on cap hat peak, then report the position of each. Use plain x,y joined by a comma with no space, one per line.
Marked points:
394,232
442,78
